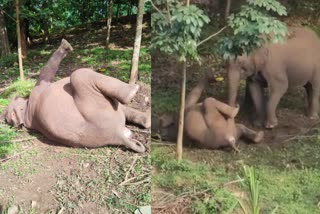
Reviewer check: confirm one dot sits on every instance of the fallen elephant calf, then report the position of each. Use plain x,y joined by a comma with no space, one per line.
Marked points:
84,110
208,124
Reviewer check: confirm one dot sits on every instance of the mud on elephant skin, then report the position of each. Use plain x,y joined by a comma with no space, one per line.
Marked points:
279,66
210,124
86,109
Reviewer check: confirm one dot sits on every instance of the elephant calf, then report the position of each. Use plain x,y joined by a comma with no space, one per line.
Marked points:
84,110
279,67
209,124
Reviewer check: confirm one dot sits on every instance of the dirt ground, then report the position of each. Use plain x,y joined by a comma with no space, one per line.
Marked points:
44,177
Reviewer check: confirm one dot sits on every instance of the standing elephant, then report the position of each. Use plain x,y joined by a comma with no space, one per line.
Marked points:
208,124
84,110
278,67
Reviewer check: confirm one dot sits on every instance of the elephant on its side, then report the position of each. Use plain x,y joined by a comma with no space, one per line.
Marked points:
209,124
84,110
278,67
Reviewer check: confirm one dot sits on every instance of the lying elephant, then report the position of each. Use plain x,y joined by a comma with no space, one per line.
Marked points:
210,124
279,66
83,110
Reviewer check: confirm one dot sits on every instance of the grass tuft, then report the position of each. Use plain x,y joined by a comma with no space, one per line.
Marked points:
19,88
252,184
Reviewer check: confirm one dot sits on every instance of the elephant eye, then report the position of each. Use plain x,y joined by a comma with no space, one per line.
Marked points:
13,114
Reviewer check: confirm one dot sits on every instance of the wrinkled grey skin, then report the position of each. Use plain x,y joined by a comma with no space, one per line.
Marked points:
84,110
209,124
279,67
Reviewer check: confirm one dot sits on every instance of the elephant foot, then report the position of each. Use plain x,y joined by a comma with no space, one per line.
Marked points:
147,119
133,144
271,125
129,94
232,142
65,45
313,116
259,137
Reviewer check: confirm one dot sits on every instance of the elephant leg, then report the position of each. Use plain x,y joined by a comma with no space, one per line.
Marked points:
215,120
107,86
132,143
257,95
276,92
308,88
212,115
248,102
50,69
137,117
225,109
314,102
195,94
243,131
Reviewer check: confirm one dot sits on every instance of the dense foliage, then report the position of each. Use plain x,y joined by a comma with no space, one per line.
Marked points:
177,29
252,27
39,17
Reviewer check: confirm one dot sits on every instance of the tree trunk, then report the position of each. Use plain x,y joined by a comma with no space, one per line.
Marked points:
45,28
23,40
227,11
109,20
128,10
181,113
4,42
137,44
45,25
19,40
118,10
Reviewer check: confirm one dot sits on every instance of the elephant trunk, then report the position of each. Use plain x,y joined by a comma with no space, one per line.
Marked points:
233,85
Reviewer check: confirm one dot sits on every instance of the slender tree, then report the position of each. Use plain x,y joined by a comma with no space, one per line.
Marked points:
4,42
109,20
227,11
182,106
19,39
45,24
23,39
137,44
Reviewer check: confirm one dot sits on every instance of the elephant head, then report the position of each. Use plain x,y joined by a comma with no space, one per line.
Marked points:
243,67
14,114
165,126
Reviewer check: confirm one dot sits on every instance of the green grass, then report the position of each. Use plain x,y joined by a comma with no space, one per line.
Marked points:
19,88
116,63
187,176
288,177
253,188
74,189
165,101
7,133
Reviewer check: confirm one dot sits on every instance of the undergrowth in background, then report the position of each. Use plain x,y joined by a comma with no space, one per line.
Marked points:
166,101
115,63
